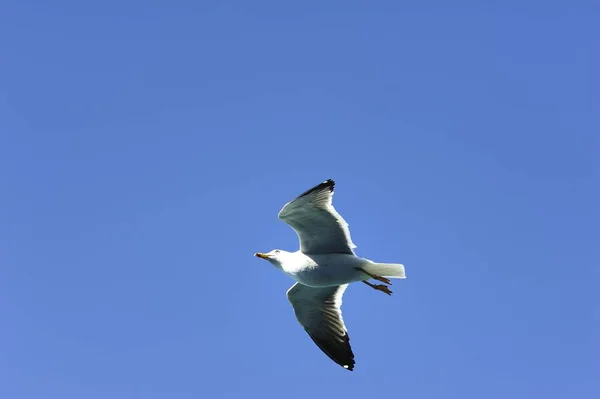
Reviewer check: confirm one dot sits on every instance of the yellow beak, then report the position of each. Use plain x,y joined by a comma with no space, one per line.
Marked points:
261,255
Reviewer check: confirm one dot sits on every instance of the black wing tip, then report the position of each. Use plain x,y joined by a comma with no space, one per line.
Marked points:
350,365
328,184
340,354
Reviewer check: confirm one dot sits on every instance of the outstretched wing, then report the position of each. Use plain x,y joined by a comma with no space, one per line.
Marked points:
320,228
318,310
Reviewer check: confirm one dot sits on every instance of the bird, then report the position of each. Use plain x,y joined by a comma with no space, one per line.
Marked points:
323,267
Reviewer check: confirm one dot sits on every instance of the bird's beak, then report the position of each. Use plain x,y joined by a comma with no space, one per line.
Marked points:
262,256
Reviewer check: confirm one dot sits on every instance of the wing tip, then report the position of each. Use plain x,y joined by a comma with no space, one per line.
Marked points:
328,184
343,356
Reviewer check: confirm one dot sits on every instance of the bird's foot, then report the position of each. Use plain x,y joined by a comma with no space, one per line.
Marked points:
382,279
379,287
383,288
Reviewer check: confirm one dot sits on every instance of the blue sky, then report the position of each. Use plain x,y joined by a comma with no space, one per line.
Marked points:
146,148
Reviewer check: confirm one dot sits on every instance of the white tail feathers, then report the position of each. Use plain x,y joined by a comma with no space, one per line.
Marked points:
392,270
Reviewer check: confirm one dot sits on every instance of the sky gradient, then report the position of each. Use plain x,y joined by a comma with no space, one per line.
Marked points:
146,148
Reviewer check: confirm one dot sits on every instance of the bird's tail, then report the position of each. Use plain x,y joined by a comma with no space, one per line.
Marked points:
392,270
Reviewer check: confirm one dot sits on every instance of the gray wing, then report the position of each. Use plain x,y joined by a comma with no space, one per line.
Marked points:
318,310
319,227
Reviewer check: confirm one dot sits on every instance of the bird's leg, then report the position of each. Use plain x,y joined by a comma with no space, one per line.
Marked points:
379,287
382,279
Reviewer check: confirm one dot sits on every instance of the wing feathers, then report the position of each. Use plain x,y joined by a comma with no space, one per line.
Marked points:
327,186
320,228
318,310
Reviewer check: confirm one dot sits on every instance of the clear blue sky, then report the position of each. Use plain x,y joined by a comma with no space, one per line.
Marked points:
146,148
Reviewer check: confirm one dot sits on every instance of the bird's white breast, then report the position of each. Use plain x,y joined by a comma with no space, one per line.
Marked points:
324,270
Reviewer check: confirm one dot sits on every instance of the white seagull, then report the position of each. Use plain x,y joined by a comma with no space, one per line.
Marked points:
323,267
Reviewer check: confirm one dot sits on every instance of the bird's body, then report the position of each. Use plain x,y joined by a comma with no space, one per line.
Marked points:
323,268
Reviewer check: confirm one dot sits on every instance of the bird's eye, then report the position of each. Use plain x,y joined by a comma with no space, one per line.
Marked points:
276,251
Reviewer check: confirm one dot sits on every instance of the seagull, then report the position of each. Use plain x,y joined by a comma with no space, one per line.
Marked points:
323,268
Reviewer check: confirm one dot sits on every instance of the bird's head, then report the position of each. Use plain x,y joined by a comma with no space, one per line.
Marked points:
276,257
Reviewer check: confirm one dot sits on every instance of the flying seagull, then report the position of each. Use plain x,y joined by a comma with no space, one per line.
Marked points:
323,267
